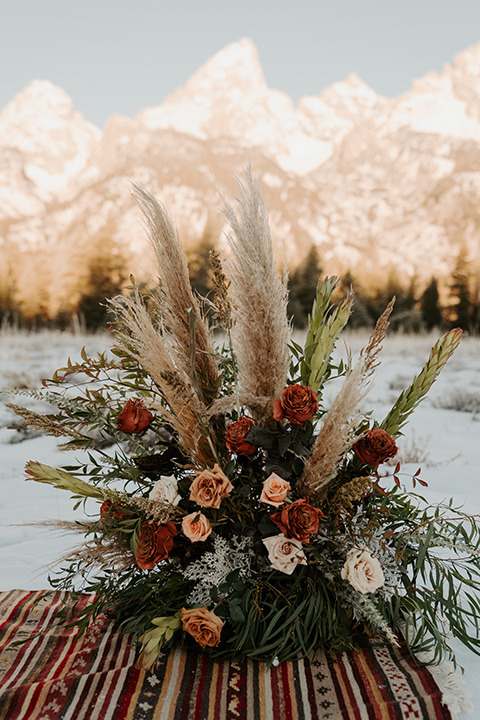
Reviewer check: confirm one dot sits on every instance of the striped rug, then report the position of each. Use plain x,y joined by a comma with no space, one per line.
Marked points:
53,676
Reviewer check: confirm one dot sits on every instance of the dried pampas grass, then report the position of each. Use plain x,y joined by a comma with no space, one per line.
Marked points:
179,309
336,435
172,341
261,331
181,408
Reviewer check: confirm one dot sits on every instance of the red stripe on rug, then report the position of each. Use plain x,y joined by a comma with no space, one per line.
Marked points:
286,690
201,683
15,608
348,687
312,703
219,690
274,685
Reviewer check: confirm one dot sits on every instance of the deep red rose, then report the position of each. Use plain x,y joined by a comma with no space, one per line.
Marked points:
375,447
298,520
154,543
298,404
236,434
134,418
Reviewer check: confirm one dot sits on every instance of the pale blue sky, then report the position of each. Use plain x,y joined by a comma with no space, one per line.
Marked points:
114,56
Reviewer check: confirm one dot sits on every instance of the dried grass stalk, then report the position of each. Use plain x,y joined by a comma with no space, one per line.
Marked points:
154,350
335,437
43,422
156,510
261,331
108,551
180,310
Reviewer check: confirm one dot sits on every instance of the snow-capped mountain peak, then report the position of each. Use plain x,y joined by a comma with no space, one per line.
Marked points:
40,128
236,66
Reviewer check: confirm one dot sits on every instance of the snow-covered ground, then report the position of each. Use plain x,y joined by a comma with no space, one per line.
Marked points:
443,437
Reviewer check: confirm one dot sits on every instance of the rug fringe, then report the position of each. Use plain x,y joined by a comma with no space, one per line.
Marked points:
455,693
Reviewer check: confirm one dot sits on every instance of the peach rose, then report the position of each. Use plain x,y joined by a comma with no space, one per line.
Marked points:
134,418
165,490
210,487
362,571
236,434
284,554
203,625
275,490
196,527
298,404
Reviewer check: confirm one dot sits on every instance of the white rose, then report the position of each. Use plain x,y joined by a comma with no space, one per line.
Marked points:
363,572
165,490
284,554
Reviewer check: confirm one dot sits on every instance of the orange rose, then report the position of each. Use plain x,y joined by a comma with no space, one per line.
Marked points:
134,418
196,527
203,625
210,487
375,447
275,490
235,437
298,404
298,520
154,543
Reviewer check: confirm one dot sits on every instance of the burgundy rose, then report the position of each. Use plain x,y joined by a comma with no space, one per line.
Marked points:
154,543
298,520
298,404
134,418
375,447
236,434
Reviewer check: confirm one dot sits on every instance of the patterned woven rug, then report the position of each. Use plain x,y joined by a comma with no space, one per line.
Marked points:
53,677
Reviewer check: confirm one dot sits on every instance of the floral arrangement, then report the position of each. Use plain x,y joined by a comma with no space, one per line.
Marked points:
232,511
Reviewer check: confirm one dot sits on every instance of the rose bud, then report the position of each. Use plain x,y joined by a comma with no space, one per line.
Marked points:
134,418
375,447
154,544
298,404
235,437
298,520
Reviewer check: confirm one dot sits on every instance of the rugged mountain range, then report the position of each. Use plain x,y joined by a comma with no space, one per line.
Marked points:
380,185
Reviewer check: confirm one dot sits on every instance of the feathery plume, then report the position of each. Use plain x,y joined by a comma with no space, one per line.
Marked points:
180,311
261,331
43,422
154,351
408,400
335,437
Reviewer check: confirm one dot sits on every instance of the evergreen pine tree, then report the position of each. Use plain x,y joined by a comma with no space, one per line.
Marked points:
199,266
303,287
107,276
430,306
461,308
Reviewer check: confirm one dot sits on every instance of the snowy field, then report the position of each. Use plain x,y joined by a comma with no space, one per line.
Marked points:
443,437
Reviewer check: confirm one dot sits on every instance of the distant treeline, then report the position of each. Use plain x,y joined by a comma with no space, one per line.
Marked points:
443,303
